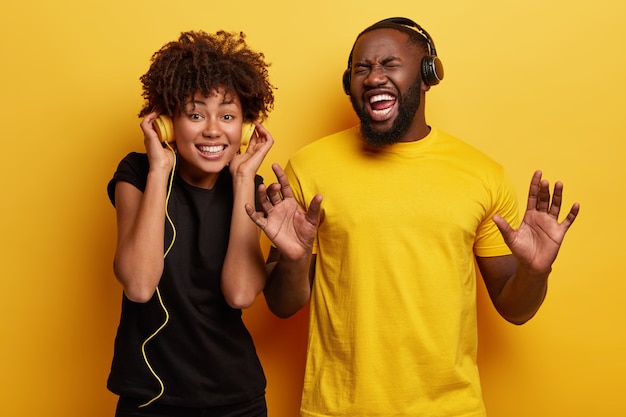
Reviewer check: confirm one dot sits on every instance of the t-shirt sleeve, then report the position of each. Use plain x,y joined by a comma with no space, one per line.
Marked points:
133,169
489,240
294,184
298,192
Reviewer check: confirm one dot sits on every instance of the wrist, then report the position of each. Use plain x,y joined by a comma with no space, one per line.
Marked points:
294,259
158,175
534,275
243,181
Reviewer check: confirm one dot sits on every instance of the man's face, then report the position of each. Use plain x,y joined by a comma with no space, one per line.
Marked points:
386,85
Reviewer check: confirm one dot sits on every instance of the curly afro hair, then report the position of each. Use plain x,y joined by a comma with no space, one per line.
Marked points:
201,63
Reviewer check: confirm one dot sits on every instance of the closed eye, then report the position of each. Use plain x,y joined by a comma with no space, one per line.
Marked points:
390,63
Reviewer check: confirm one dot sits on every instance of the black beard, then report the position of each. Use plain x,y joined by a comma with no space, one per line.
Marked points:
408,104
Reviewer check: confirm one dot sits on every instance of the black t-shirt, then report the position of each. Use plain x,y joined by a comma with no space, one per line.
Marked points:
204,355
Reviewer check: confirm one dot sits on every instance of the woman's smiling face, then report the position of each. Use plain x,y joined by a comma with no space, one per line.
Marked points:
208,135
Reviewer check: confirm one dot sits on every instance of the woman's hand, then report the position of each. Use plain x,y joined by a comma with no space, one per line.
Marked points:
160,157
249,162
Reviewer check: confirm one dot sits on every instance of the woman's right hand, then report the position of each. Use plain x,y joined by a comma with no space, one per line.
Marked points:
160,157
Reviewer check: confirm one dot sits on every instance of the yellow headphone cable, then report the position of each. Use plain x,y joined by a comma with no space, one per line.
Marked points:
158,293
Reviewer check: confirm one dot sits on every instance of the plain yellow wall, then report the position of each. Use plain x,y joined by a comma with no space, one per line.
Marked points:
536,84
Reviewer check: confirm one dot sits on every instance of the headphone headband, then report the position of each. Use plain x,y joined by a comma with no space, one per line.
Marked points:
406,22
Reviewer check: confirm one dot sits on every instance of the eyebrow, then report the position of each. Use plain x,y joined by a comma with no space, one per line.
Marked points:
383,61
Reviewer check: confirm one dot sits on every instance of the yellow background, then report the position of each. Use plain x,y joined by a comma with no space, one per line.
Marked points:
535,84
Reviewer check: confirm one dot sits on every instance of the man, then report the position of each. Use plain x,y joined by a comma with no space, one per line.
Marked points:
389,259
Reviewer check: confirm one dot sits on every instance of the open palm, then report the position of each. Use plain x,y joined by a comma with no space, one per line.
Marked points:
537,241
286,224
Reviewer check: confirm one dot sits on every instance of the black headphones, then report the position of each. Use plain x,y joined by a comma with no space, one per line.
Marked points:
432,68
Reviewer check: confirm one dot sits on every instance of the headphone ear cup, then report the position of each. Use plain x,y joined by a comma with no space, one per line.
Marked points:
432,70
164,128
346,81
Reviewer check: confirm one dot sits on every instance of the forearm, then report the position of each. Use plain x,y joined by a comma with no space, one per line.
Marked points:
243,272
288,286
138,263
521,296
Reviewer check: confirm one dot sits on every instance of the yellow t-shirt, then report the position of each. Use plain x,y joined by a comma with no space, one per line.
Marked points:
393,309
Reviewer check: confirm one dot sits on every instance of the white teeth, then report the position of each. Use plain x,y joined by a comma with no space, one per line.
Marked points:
381,97
212,148
381,112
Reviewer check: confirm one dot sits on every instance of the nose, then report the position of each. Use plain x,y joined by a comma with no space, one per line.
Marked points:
376,76
211,129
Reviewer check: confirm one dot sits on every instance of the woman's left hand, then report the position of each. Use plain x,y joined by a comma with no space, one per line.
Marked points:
249,162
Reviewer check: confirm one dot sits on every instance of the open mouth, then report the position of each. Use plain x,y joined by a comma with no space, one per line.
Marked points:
211,150
381,105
